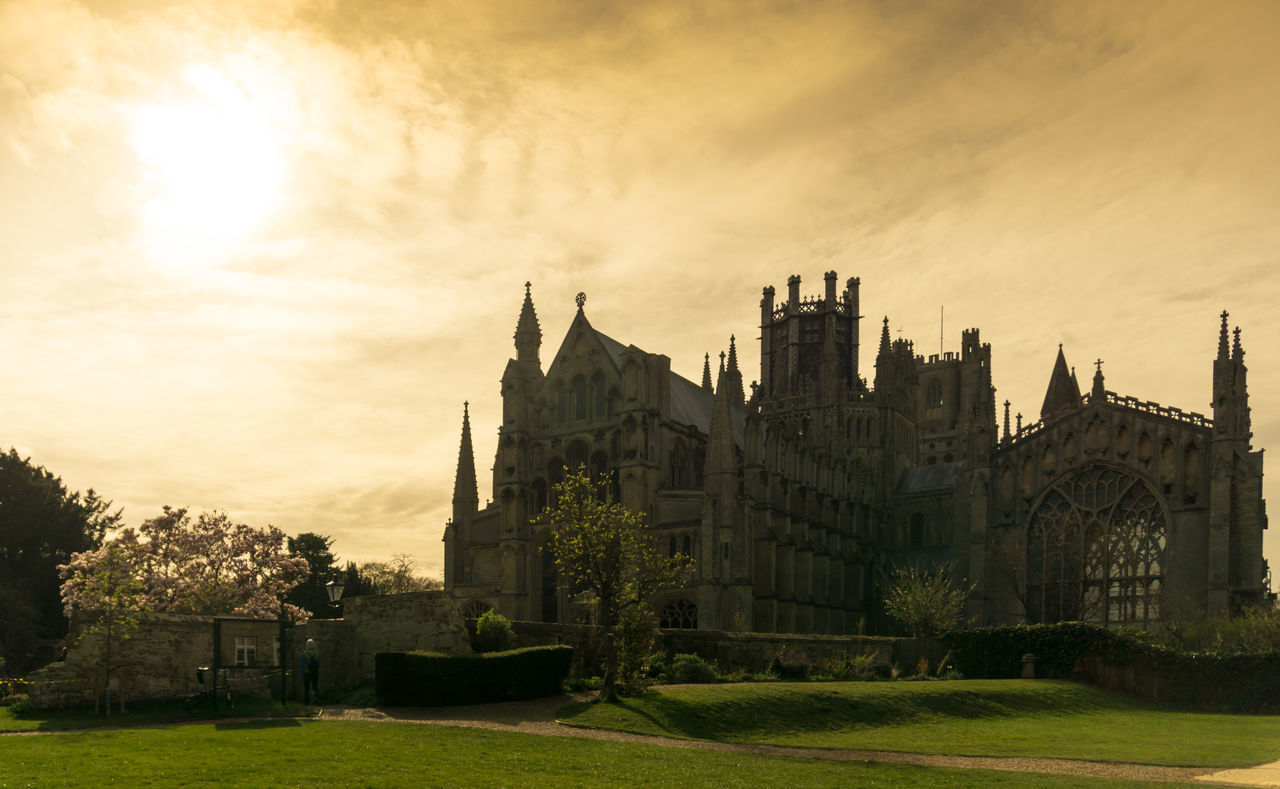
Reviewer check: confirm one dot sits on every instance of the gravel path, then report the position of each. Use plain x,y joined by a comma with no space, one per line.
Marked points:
538,717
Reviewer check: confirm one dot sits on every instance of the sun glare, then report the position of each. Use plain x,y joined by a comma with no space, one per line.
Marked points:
213,164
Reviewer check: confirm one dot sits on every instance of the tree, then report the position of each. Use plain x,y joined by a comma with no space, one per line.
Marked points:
603,548
927,603
311,595
209,565
104,587
397,576
41,525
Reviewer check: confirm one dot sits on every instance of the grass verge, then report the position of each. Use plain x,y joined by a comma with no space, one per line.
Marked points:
1055,719
143,713
280,753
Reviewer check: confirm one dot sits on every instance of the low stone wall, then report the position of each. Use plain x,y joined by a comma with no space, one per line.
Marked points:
745,651
160,659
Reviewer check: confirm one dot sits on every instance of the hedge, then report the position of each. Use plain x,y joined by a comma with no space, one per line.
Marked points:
1124,660
430,678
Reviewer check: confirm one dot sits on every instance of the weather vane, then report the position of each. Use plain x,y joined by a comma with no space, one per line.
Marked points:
581,298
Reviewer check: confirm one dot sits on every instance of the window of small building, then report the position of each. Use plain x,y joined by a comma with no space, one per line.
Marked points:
246,650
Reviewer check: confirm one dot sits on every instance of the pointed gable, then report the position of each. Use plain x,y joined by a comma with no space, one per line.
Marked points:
1063,392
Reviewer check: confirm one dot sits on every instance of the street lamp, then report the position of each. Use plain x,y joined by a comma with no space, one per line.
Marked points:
334,589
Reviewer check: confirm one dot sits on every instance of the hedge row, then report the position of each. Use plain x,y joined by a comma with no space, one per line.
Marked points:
1234,682
429,679
996,652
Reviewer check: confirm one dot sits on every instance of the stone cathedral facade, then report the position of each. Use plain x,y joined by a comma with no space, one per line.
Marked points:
795,496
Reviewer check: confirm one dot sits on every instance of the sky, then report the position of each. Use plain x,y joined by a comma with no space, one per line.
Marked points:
256,255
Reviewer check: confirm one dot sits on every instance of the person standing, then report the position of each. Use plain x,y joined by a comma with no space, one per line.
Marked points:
310,666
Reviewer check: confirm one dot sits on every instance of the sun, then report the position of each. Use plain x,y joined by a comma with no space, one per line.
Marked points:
212,165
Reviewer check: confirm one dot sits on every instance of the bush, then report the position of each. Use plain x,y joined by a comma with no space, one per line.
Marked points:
634,637
493,633
427,679
690,669
996,652
792,672
18,703
1232,682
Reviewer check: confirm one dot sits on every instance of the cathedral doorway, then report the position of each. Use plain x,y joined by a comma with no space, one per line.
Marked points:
1095,549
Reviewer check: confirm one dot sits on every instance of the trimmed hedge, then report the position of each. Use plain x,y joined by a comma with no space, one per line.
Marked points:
431,678
996,652
1122,660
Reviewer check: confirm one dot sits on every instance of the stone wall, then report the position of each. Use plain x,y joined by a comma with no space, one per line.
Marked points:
428,621
159,661
746,651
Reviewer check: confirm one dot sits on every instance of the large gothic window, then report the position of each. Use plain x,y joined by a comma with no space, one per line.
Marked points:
1095,550
680,614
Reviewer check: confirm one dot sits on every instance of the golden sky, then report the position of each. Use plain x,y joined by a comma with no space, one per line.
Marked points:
257,254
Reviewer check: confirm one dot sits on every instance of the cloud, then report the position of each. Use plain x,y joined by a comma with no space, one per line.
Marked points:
1090,173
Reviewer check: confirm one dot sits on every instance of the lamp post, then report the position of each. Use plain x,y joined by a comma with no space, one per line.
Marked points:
334,589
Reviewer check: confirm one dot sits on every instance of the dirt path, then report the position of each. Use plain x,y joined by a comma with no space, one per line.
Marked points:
538,717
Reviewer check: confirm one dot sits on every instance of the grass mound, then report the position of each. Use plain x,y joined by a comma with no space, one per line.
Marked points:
973,717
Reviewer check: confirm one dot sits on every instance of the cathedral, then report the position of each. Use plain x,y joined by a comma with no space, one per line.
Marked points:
797,499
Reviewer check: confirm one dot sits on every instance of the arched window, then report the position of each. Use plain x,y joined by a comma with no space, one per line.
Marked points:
475,609
933,394
579,397
671,548
686,546
680,615
1095,550
599,409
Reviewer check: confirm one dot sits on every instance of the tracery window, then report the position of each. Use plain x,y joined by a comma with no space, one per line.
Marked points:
1095,550
475,609
680,614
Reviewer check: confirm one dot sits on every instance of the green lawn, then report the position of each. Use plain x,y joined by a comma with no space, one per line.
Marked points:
280,753
1056,719
141,714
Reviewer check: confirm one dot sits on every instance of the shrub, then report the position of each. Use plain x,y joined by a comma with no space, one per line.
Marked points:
657,665
425,678
493,633
634,637
18,703
927,603
690,669
789,671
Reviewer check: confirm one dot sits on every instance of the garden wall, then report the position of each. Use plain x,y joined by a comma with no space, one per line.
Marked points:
159,661
745,651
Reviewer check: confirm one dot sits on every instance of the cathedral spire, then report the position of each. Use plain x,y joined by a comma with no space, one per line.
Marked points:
736,394
1063,392
465,497
1006,420
706,373
528,333
1099,391
1222,337
884,337
1237,350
